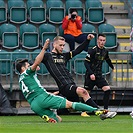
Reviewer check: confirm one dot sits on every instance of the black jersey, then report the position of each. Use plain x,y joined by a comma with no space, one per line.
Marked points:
56,65
94,60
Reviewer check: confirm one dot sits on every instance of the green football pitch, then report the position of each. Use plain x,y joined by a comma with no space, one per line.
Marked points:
70,124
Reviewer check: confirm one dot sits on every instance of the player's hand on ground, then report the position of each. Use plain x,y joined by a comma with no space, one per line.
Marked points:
46,44
90,36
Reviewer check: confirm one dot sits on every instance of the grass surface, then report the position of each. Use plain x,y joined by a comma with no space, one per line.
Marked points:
70,124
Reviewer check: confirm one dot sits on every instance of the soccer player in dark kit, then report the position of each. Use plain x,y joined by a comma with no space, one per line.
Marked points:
56,61
93,76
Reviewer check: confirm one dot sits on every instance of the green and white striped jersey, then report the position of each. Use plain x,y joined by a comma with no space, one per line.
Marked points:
30,85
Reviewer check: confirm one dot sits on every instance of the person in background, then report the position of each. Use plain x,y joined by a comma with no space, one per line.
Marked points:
72,25
40,100
93,76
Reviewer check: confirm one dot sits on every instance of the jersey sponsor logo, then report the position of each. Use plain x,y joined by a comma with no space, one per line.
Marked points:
59,61
99,57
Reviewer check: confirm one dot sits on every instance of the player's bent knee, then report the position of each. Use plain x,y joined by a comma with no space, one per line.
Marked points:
82,92
105,88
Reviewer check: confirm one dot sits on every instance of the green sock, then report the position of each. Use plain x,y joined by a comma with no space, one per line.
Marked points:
82,107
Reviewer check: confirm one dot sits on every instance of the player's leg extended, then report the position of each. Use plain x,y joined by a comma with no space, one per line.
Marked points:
79,106
39,108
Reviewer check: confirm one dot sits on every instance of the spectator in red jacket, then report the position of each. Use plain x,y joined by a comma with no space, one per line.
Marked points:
72,25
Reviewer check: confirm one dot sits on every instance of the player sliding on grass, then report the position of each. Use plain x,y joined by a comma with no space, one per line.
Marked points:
40,100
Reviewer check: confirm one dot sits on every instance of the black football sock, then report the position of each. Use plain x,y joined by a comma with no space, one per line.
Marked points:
106,98
91,103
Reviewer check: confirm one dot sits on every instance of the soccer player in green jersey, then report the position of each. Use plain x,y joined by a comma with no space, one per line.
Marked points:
40,100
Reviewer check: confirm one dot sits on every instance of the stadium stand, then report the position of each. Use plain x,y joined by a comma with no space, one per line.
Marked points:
36,11
43,70
61,32
94,11
3,12
79,67
17,11
9,36
47,31
111,35
29,36
5,63
19,54
90,29
105,68
55,11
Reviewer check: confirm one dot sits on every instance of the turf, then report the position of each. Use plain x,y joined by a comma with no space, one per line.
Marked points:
70,124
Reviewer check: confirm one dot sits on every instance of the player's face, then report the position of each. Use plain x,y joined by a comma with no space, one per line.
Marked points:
59,46
25,67
101,41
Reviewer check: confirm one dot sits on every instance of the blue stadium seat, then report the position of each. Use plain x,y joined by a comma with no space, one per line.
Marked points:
29,36
105,68
90,29
47,31
61,31
111,35
94,11
36,11
5,63
3,12
76,5
43,70
55,11
5,67
79,67
17,11
19,54
9,36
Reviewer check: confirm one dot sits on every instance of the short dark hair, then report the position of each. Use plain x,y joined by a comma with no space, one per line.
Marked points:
101,34
20,63
73,10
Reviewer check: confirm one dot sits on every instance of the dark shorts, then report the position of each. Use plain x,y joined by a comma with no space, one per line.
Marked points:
69,92
99,82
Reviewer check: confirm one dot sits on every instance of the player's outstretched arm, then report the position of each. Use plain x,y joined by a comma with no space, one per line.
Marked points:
40,55
81,47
